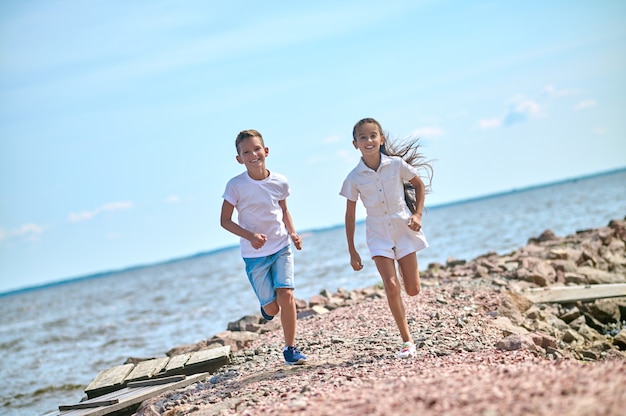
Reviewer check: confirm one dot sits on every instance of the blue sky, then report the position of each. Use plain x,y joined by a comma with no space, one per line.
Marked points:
118,118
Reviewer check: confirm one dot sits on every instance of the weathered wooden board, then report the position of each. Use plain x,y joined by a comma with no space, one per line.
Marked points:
108,380
176,364
128,397
207,360
147,369
208,355
567,294
154,381
89,405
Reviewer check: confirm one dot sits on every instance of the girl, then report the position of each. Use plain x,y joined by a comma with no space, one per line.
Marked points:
393,195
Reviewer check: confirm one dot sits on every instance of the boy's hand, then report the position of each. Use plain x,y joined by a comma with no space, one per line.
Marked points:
355,262
258,240
297,241
415,222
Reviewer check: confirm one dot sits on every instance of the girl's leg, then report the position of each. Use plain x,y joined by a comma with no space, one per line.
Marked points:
387,269
288,315
410,274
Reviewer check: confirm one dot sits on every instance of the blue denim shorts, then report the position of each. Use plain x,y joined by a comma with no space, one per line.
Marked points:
266,274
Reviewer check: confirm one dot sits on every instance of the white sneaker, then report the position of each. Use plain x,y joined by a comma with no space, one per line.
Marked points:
407,350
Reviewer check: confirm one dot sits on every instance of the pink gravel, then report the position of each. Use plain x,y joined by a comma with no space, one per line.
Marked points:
352,369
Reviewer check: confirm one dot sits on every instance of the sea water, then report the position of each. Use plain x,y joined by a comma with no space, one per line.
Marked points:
55,339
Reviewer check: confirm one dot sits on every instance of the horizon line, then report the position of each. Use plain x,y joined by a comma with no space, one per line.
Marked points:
90,276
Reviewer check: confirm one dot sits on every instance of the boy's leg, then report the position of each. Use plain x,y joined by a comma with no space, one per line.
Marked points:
271,308
283,282
410,274
283,278
258,270
288,315
387,270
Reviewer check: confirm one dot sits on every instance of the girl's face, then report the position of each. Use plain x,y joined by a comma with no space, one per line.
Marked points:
368,139
252,153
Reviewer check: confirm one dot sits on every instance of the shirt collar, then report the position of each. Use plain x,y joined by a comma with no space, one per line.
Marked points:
384,160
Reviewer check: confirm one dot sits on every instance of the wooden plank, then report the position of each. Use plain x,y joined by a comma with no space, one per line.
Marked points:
88,405
146,369
207,355
108,380
207,360
176,364
567,294
154,381
128,397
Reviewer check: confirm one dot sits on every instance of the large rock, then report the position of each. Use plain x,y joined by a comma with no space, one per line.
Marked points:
597,276
537,271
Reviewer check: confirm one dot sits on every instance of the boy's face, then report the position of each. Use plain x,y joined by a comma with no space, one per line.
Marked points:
252,153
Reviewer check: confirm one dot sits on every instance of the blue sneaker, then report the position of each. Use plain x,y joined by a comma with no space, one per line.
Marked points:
265,315
293,356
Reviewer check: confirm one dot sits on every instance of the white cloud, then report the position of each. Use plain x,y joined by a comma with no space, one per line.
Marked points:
491,123
349,158
172,199
332,139
552,92
112,206
82,216
519,110
29,231
586,104
600,130
428,132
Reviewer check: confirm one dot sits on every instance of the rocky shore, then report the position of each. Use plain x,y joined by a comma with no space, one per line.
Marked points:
484,347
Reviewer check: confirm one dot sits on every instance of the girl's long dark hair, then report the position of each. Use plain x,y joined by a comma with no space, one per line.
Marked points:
409,150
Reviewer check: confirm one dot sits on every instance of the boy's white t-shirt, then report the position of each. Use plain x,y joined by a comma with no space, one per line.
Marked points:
258,210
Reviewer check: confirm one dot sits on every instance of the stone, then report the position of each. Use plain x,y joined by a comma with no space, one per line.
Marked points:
515,342
540,272
236,340
620,340
604,310
543,340
507,327
596,276
570,336
317,300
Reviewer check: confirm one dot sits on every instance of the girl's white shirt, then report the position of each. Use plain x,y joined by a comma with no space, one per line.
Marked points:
381,190
258,210
382,193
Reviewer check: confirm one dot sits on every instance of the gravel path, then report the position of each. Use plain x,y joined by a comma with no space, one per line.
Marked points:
352,368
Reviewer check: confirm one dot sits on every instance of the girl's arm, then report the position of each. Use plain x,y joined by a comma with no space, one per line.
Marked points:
355,259
288,221
415,222
226,221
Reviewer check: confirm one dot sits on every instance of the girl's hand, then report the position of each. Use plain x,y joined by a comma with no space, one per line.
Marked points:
297,241
415,222
355,262
258,240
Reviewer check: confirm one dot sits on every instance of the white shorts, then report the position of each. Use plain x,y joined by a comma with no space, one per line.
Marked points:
392,237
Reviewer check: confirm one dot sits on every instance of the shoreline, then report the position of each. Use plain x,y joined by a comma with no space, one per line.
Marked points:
474,329
71,279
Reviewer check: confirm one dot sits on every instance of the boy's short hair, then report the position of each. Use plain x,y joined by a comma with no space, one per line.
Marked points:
246,134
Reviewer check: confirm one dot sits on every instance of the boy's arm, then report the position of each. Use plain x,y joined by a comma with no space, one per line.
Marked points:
355,258
226,221
415,222
288,221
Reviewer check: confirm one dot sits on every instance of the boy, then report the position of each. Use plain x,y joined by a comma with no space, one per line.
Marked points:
265,226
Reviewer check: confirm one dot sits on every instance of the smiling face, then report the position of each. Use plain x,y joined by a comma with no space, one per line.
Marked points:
368,139
252,154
